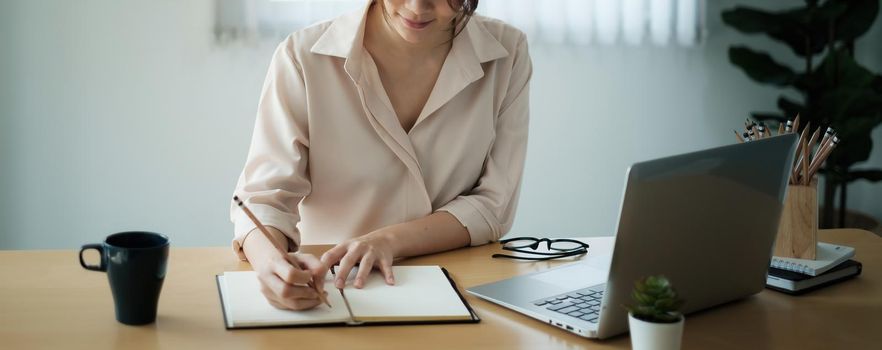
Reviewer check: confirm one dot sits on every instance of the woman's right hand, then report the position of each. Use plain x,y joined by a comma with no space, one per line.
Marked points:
284,279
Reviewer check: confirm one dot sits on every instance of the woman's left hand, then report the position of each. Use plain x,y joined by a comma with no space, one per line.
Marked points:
368,251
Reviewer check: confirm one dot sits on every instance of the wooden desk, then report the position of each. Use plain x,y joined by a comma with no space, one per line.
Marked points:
48,301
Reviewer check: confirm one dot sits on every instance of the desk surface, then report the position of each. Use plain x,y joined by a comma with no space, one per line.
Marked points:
48,301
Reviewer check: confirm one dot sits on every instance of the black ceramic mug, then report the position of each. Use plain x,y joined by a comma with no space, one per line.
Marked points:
135,263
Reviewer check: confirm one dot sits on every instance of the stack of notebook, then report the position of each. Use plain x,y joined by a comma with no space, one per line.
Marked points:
796,276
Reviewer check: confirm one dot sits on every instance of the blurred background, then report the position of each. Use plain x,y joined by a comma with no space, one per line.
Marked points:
137,114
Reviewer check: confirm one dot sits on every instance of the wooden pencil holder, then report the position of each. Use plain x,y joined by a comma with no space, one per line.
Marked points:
798,230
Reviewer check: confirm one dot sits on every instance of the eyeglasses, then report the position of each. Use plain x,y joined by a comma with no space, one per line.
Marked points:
555,248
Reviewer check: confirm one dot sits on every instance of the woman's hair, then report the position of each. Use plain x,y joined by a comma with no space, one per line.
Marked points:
464,8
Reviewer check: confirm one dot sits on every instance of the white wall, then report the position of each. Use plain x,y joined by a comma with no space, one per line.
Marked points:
122,115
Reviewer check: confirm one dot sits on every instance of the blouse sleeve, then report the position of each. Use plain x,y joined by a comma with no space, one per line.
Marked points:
274,179
487,211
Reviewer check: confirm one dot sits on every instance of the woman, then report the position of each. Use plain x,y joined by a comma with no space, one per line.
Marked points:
396,131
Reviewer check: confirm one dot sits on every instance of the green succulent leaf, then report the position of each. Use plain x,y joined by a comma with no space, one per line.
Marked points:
664,304
642,299
656,300
760,67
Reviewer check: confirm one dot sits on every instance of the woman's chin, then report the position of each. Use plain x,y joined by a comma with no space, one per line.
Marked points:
411,37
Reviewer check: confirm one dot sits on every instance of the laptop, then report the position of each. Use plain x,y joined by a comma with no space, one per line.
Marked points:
706,220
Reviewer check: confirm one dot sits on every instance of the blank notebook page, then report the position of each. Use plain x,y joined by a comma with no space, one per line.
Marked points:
246,306
420,293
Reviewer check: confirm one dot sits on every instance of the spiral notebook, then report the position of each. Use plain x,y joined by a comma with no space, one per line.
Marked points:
421,294
828,256
796,283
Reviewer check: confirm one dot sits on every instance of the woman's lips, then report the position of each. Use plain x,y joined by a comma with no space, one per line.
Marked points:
414,24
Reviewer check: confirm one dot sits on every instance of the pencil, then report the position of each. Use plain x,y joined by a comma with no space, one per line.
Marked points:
826,137
799,146
780,128
825,143
812,141
801,155
273,242
796,123
805,167
738,137
823,148
816,165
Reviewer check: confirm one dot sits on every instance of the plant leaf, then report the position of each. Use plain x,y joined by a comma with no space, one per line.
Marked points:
768,116
829,11
760,67
845,104
840,69
664,305
790,107
790,27
642,299
851,150
872,175
752,21
856,19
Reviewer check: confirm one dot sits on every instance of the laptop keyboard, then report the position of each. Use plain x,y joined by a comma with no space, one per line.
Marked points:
582,304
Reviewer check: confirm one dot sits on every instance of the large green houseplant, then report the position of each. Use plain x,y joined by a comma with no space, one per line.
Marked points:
835,90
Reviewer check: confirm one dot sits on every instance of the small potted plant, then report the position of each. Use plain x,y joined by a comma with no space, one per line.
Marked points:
655,320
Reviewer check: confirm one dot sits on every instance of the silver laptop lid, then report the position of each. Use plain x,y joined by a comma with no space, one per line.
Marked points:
707,220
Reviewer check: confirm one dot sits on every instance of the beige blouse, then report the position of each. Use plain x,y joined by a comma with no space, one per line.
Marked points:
329,159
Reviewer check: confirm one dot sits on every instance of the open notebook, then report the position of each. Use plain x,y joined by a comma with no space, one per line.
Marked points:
421,294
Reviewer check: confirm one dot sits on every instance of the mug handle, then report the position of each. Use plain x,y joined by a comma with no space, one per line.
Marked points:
100,249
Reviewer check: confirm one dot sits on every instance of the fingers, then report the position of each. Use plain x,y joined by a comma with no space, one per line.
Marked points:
365,253
364,269
285,285
346,265
333,255
386,269
286,290
314,266
289,273
295,304
286,296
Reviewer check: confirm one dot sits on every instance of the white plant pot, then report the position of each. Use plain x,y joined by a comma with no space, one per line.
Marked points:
655,336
